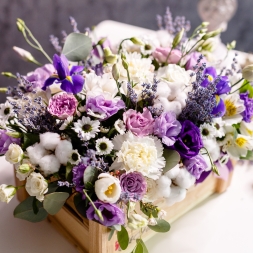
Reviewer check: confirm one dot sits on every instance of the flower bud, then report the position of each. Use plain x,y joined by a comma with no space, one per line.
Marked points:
115,72
178,38
7,192
136,221
20,25
137,41
231,45
100,42
24,168
161,214
25,55
3,90
205,24
111,58
211,34
107,51
247,73
125,64
14,134
8,74
152,221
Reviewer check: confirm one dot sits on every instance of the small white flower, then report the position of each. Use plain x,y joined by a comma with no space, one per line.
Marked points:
136,221
246,128
120,126
213,148
162,214
207,131
104,146
74,157
107,188
87,128
6,111
96,115
7,192
152,221
66,123
14,154
104,130
218,124
36,185
149,44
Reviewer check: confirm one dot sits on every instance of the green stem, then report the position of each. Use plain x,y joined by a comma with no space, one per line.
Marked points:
237,82
167,58
239,88
214,168
120,45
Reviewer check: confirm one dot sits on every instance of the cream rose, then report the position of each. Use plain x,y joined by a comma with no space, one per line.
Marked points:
107,188
14,154
7,192
36,185
136,221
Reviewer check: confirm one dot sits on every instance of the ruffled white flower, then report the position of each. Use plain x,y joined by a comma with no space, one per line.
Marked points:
36,185
246,128
107,188
120,126
218,124
63,151
86,128
234,107
6,111
142,154
49,164
14,154
7,192
207,131
74,157
104,146
66,123
136,221
50,140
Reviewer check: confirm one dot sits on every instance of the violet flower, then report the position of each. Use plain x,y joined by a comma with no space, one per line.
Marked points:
189,140
5,141
133,186
248,103
111,213
167,127
195,165
69,78
194,59
78,177
104,109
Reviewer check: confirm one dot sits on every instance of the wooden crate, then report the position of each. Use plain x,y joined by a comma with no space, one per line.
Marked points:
90,237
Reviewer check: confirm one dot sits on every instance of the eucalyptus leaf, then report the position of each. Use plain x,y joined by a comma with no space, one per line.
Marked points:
123,238
25,211
53,202
30,139
68,170
172,158
90,175
139,248
35,206
162,226
140,241
52,187
111,234
77,47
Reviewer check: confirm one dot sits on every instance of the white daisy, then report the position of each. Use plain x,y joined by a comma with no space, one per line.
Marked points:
6,111
66,123
74,157
86,128
207,131
104,146
120,126
150,44
218,123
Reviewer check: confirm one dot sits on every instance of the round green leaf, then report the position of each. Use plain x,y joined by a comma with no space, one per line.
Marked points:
162,226
53,202
90,175
77,47
172,159
123,238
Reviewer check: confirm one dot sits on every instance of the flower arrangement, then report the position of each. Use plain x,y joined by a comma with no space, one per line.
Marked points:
122,127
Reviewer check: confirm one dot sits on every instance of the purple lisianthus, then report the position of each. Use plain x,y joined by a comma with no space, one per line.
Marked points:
195,165
133,185
167,127
70,79
189,140
193,60
111,213
40,75
5,141
62,105
78,177
248,103
104,109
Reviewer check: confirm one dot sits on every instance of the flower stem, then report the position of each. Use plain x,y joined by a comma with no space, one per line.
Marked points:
237,82
214,168
239,88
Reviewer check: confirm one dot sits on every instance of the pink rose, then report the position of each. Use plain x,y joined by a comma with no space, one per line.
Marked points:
140,124
193,60
161,54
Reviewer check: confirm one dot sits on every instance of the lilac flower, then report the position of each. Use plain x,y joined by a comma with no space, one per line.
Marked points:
248,103
167,127
195,165
194,59
5,141
69,78
62,105
104,109
134,185
189,140
111,213
78,177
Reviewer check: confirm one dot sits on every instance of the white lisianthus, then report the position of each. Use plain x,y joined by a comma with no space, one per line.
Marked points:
136,221
7,192
213,148
120,126
36,185
142,154
23,171
246,128
14,154
107,188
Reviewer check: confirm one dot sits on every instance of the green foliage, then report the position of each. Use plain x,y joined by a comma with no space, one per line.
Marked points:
246,87
149,209
123,238
53,202
25,210
77,47
80,204
140,247
249,156
162,226
90,176
172,159
30,139
52,187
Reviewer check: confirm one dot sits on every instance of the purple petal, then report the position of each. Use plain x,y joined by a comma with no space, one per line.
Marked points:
223,86
211,71
61,65
220,109
49,82
203,176
73,87
76,69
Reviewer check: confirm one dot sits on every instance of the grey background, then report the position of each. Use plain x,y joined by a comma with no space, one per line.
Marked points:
45,17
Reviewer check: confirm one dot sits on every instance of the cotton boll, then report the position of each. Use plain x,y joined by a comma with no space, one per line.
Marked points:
49,140
163,90
63,151
172,173
184,179
213,148
177,194
49,164
169,105
36,152
182,99
163,184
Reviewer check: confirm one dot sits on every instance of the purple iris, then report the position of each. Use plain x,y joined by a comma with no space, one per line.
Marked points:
69,78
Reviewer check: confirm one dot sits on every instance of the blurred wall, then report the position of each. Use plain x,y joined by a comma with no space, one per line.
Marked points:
45,17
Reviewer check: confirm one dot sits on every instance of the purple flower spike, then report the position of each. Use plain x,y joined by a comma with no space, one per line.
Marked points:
70,80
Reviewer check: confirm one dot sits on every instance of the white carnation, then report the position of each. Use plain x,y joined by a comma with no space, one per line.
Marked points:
36,152
49,164
63,151
50,140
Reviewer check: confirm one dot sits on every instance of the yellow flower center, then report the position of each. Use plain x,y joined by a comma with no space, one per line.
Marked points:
69,78
250,132
240,141
210,78
230,108
109,190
